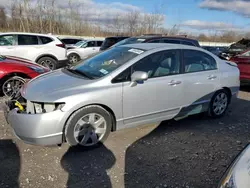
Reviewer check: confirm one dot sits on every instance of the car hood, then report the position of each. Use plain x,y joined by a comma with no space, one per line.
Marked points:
20,61
54,85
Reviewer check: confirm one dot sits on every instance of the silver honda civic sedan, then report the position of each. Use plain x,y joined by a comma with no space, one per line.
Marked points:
122,87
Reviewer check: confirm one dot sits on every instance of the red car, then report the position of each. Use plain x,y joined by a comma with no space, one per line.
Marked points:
243,61
14,72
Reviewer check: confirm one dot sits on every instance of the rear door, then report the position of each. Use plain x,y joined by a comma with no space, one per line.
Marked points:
201,77
8,45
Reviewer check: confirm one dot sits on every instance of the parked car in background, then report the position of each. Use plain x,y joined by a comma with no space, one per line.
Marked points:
83,49
243,62
70,41
122,87
14,72
110,41
216,50
46,50
159,39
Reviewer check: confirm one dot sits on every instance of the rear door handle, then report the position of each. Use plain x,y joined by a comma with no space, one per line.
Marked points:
211,77
173,83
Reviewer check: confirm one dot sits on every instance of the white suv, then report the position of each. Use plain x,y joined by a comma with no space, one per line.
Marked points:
46,50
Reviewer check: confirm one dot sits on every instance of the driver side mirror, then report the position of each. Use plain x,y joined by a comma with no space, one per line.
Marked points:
138,77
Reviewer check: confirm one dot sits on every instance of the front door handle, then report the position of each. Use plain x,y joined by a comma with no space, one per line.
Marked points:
211,77
173,83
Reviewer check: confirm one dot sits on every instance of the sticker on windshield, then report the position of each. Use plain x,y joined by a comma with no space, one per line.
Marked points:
141,40
136,51
103,71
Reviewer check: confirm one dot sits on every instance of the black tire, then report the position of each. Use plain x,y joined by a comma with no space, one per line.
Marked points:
71,125
48,62
9,91
73,58
211,111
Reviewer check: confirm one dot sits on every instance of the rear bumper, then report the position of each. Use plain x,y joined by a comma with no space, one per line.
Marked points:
62,63
36,129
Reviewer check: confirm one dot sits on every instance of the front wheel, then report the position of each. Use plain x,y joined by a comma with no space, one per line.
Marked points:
88,127
219,104
73,58
11,87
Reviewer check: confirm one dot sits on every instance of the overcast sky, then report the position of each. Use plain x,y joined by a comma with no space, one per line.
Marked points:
191,15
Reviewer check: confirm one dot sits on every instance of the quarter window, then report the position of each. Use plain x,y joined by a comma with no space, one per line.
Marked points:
45,40
159,64
6,40
196,61
27,40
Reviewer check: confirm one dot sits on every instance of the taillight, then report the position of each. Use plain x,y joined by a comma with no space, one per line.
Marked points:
61,45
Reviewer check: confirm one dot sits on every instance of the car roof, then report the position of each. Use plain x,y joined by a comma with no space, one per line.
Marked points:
116,37
147,37
151,46
23,33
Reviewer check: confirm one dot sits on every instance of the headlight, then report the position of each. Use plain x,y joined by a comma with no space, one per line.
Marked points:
38,108
37,69
238,174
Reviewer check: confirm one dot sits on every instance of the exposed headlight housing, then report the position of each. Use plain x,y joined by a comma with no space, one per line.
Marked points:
238,174
39,108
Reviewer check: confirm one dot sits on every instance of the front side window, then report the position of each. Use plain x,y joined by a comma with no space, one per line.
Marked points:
196,61
6,40
91,44
159,64
106,62
27,40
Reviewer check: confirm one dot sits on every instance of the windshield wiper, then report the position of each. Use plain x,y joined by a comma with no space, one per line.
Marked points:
79,73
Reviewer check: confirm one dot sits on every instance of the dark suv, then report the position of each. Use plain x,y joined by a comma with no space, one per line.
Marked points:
159,39
110,41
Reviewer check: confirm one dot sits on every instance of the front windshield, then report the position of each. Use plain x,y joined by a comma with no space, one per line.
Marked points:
106,62
80,43
129,41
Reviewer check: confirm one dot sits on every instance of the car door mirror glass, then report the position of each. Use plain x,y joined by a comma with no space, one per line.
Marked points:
138,77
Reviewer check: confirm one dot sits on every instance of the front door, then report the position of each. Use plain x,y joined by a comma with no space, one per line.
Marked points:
7,45
161,96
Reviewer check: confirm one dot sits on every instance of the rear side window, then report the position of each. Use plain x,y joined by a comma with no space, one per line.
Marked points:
187,43
155,41
171,41
197,61
6,40
99,43
27,40
45,40
91,44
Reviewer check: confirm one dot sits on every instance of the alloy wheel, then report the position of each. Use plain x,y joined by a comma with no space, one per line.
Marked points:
220,103
48,64
11,88
90,129
73,59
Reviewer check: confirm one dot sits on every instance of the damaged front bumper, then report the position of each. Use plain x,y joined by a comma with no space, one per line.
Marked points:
35,128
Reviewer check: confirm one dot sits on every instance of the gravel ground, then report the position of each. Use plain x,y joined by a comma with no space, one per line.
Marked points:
193,152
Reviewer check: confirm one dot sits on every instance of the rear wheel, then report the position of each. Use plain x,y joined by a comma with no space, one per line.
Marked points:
219,104
88,127
73,58
11,87
48,62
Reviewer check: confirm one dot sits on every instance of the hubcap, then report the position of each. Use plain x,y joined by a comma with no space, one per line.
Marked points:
90,129
220,103
11,88
73,59
48,64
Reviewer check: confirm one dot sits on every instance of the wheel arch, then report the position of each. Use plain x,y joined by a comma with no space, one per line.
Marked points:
228,90
9,75
113,117
46,55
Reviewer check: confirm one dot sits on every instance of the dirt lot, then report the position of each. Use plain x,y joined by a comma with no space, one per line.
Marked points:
193,152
